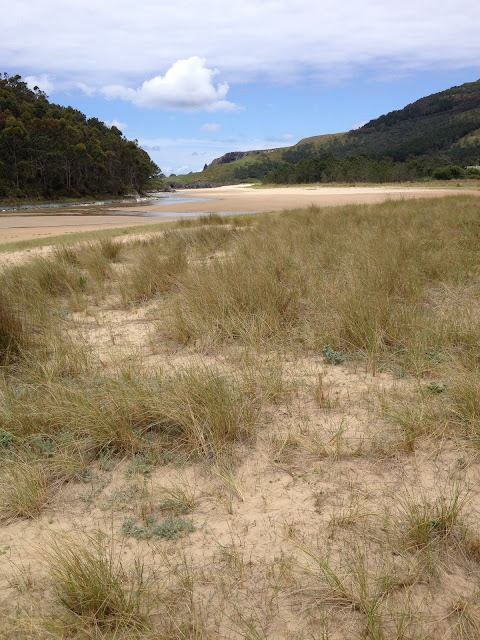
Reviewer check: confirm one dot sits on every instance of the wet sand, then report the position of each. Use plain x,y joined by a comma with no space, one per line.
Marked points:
230,199
14,228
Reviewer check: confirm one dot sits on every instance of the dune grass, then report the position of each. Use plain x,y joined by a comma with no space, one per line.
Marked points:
13,336
361,279
258,332
92,584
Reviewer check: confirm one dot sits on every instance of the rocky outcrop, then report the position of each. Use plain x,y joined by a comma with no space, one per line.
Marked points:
236,155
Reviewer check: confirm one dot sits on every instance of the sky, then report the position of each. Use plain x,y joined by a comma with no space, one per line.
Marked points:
192,80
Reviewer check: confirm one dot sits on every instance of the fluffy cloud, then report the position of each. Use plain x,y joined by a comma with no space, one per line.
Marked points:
187,86
100,43
43,82
210,127
115,123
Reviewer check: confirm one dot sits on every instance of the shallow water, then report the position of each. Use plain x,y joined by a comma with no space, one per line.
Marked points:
156,200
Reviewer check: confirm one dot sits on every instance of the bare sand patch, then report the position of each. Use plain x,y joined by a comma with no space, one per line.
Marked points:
245,199
28,227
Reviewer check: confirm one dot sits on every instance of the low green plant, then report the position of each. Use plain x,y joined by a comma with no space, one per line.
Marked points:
332,357
6,439
171,528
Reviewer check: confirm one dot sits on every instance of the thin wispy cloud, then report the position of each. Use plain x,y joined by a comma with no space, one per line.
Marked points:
211,127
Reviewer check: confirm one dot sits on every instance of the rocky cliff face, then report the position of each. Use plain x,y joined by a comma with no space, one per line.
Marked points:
237,155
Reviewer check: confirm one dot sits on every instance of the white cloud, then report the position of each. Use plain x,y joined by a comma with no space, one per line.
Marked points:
358,125
115,123
211,127
43,82
102,43
182,169
187,86
85,88
284,137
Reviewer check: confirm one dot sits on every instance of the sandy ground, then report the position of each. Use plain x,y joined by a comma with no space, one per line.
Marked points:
242,199
322,476
229,199
28,227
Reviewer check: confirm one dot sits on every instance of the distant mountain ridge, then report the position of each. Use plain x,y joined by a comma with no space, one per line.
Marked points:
437,130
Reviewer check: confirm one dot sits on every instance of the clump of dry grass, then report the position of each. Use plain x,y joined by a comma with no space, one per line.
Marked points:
42,277
250,295
424,520
360,582
201,240
197,408
463,394
419,415
111,249
209,411
13,334
154,271
24,487
92,584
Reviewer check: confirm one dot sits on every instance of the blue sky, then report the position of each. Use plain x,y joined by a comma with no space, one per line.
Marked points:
193,80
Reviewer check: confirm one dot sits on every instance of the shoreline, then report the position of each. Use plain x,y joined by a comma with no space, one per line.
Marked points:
234,199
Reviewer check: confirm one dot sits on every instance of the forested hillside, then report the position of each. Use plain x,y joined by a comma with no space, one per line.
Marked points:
435,136
50,151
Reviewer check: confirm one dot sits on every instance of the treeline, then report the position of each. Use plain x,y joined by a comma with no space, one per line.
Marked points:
445,123
434,137
258,169
362,168
50,151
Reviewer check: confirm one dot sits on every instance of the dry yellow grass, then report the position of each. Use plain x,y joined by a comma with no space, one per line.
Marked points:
260,430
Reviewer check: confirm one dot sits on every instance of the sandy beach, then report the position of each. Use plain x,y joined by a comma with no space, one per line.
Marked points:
242,199
27,225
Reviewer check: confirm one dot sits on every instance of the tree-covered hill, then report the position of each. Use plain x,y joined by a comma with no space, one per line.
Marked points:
50,151
430,126
440,130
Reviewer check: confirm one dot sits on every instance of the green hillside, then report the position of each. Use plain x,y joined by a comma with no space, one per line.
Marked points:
439,130
50,151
